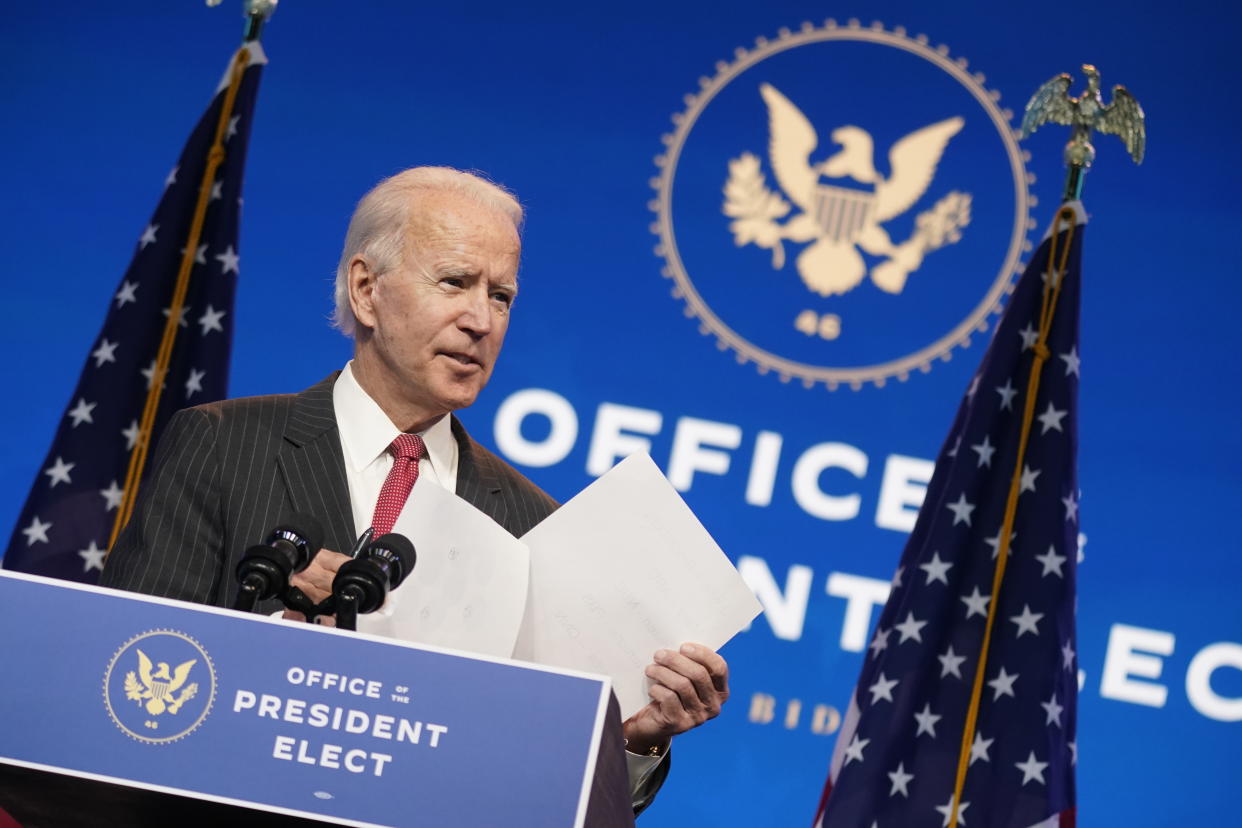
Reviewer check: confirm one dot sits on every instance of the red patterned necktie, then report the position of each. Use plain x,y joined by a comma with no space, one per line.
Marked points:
406,451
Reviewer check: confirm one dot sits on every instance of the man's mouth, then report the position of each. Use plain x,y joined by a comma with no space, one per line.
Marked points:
464,359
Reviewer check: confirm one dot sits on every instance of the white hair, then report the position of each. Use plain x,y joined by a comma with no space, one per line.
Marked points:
377,230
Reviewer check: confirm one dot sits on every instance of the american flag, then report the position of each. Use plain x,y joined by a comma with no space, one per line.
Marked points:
64,528
897,755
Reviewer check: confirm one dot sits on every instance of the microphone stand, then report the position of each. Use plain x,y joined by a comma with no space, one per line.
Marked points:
295,599
248,593
346,604
347,610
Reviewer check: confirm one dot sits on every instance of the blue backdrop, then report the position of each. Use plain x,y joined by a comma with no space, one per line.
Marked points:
568,105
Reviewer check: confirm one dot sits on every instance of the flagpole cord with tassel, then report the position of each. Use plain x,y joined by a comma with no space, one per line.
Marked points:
215,157
1065,222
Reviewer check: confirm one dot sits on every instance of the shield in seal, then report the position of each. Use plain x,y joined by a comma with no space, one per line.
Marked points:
842,212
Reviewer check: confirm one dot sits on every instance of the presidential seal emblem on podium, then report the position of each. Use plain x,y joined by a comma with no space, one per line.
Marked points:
159,686
842,205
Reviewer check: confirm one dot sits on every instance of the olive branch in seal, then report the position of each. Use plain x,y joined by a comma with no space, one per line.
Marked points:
754,208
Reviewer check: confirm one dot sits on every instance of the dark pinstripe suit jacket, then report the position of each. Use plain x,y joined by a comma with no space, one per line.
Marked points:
226,472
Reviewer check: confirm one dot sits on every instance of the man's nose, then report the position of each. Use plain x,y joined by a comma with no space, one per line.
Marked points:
476,316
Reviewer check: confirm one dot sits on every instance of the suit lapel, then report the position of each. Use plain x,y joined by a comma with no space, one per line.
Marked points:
313,465
475,484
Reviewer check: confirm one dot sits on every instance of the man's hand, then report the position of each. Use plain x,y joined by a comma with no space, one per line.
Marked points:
316,582
688,687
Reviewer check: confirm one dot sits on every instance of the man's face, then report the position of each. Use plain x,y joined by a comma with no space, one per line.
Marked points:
438,321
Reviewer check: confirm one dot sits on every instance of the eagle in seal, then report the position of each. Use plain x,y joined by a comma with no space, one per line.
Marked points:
844,200
156,689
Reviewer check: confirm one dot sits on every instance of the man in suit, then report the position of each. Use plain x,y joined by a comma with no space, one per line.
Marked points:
425,285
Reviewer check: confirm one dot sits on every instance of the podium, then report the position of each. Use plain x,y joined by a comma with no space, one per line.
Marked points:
126,709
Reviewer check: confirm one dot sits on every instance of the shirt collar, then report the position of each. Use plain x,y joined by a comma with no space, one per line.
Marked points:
367,432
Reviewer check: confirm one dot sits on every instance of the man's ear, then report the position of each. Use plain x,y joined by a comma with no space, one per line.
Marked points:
362,291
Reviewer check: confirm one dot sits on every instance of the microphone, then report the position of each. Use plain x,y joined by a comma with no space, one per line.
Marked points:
362,584
265,568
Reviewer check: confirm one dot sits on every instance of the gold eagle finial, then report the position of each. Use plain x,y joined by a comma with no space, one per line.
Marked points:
1085,114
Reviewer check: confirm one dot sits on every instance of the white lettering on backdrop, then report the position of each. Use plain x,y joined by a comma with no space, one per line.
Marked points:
832,481
827,480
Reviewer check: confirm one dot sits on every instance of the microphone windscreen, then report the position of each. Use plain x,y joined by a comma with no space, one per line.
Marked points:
400,546
307,527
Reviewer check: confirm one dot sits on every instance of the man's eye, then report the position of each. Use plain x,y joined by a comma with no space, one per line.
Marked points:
505,299
453,281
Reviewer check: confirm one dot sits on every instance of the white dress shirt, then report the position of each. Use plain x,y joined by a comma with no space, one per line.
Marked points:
366,433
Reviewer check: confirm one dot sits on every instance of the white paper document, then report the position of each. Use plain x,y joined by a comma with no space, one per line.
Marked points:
467,590
622,570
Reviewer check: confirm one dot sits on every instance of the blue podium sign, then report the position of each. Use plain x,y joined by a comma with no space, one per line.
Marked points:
294,719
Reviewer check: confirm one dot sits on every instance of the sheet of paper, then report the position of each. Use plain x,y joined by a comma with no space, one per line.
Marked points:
468,587
622,570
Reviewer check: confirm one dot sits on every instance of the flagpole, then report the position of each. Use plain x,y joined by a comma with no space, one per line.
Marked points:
257,12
